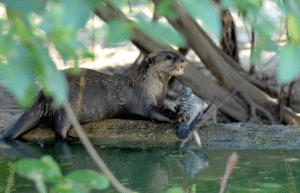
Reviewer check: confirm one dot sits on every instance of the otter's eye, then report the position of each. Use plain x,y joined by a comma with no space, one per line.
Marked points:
169,57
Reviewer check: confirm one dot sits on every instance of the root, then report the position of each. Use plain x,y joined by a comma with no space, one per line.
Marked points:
280,104
254,107
290,94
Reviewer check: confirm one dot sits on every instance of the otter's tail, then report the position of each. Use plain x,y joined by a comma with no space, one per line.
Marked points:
27,122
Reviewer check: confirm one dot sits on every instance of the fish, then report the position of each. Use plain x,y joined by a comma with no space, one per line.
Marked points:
194,108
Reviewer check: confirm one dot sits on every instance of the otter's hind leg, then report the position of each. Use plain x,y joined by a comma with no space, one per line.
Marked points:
27,122
62,125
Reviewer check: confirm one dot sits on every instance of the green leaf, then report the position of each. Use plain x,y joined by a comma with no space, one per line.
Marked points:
293,27
290,6
206,12
28,168
163,34
26,6
51,170
228,3
32,169
263,43
119,4
264,26
54,18
246,7
62,188
164,8
255,2
89,178
21,28
70,187
289,63
19,76
65,43
76,13
88,55
53,80
6,40
175,190
119,31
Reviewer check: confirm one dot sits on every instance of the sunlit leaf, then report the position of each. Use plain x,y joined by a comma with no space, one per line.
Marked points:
255,2
293,27
70,187
53,80
290,6
19,76
54,18
51,170
28,168
164,8
289,63
65,43
175,190
88,55
76,13
62,188
206,12
163,34
263,43
245,7
6,41
21,29
20,84
119,31
264,26
228,3
25,6
89,178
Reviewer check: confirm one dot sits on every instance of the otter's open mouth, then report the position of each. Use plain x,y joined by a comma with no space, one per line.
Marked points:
179,69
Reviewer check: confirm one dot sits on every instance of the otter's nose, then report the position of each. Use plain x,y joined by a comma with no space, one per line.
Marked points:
183,60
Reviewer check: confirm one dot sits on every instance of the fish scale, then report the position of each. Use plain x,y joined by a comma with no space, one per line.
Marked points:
194,108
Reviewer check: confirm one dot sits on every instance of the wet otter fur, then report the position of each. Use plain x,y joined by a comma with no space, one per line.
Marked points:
107,96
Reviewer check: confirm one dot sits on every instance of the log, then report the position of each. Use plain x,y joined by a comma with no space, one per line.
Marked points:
147,134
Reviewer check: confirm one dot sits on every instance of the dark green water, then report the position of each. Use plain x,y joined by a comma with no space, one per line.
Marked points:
155,170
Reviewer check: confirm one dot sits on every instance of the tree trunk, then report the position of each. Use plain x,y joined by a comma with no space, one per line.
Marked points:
229,41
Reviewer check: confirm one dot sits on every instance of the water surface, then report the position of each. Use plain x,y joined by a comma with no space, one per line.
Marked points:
157,169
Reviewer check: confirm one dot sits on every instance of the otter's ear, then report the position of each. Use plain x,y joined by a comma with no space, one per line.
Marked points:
150,59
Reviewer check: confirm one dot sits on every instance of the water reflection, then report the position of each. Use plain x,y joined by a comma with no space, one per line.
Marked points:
157,169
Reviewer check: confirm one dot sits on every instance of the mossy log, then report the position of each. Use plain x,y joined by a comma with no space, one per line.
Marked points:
147,134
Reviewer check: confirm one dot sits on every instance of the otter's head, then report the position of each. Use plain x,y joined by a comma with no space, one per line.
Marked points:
165,63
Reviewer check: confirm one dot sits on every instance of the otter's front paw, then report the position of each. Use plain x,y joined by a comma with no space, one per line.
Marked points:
181,117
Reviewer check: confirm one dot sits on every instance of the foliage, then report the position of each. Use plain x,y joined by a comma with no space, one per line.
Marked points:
175,190
47,170
289,65
29,30
206,12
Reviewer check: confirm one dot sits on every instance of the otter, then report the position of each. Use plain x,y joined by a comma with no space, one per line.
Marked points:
106,96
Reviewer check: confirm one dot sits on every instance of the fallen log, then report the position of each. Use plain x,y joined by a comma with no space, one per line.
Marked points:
147,134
